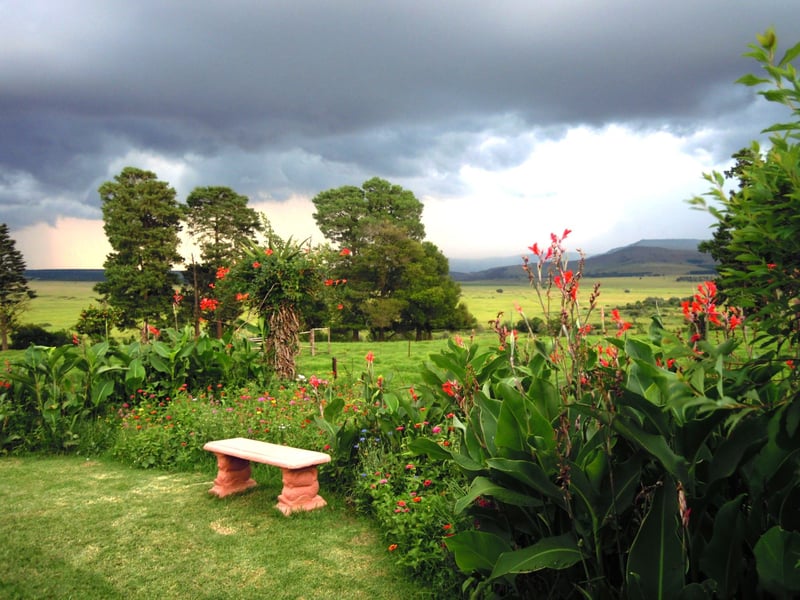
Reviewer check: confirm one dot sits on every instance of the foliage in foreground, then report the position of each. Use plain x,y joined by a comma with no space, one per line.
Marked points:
565,465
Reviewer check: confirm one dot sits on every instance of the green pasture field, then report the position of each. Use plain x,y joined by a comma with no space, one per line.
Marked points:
58,304
485,300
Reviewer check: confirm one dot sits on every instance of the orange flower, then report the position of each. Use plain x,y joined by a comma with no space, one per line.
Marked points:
345,252
392,547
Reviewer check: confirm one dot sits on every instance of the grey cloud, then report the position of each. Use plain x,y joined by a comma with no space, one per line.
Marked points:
283,98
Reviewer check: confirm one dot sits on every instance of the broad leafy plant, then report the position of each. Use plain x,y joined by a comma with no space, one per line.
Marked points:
616,466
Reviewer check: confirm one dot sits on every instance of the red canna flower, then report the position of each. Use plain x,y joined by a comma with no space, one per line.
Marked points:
209,304
256,264
222,272
370,357
345,252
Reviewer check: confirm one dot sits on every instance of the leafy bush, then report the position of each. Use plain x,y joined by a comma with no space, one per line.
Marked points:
34,335
625,468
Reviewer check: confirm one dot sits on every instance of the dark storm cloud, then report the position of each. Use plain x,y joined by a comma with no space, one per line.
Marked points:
276,98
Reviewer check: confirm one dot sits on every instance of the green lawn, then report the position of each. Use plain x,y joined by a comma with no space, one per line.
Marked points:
78,528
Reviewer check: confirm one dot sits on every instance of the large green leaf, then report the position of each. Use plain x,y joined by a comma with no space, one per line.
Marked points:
531,474
558,552
482,486
656,561
721,558
430,448
656,445
777,555
476,550
512,422
101,390
627,476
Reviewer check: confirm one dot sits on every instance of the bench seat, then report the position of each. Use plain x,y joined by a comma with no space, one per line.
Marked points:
299,468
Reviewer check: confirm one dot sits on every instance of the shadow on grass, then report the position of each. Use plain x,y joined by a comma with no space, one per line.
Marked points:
97,529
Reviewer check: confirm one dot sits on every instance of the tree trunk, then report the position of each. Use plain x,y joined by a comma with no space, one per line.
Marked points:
282,343
3,332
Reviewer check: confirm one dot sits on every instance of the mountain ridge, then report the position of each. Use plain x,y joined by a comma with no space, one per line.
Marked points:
647,257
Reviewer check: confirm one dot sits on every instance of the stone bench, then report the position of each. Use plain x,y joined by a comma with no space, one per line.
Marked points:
300,485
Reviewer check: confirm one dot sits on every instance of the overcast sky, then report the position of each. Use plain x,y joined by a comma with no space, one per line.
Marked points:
507,119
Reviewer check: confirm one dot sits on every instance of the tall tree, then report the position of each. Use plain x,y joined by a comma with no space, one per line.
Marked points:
219,220
14,290
350,217
142,220
396,282
220,223
757,237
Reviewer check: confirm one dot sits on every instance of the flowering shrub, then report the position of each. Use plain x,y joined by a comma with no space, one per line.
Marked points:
169,433
622,467
412,504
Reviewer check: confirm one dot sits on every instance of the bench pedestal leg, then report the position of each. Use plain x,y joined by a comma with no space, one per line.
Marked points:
233,476
300,491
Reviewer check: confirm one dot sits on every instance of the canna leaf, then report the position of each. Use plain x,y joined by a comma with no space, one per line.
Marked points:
558,552
777,555
656,562
476,550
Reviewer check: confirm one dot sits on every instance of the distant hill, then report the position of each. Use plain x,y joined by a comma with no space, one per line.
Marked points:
673,257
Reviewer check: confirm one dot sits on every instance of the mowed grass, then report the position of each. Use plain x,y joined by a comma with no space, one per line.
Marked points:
78,528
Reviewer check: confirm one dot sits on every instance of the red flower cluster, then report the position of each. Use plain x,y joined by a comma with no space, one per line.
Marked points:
330,282
622,326
222,272
209,304
703,304
567,284
345,252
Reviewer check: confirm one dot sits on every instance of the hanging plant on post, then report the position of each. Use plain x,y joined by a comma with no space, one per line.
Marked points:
279,282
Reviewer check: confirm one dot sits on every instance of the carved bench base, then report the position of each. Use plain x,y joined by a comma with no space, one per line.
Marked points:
300,484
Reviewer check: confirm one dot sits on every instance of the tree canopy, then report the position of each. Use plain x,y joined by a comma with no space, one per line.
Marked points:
142,220
221,224
397,282
757,236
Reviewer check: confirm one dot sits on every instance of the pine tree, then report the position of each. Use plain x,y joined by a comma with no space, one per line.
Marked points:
141,219
14,290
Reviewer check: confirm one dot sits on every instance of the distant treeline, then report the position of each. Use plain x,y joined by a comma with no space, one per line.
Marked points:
70,274
65,274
